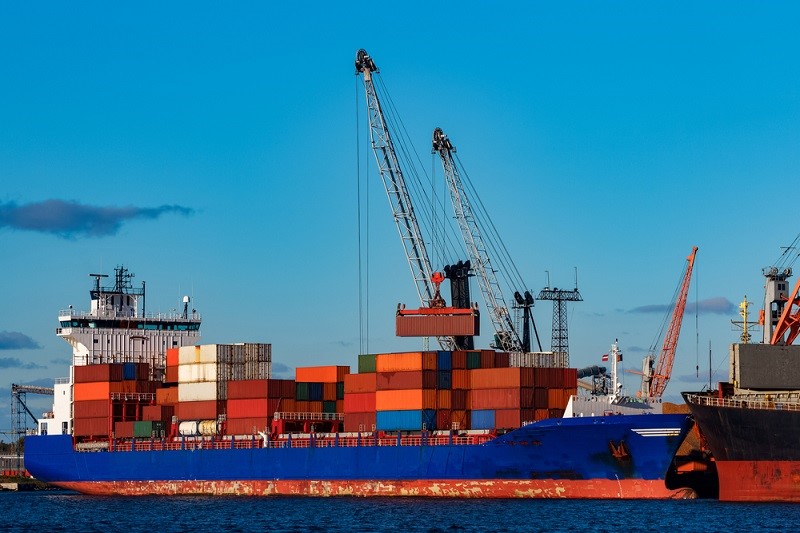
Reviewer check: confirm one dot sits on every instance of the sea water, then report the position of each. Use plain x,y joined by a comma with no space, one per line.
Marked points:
68,511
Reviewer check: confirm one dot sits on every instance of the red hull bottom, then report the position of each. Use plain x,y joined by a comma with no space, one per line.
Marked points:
596,488
759,481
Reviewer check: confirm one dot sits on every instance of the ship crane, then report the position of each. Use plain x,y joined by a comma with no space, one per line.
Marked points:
656,373
397,192
507,337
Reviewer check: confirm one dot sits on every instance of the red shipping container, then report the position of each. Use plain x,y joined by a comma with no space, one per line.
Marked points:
123,430
171,375
340,406
527,398
541,414
443,419
246,426
247,408
502,360
286,405
248,388
556,413
206,410
91,427
495,399
162,413
460,419
91,408
570,378
360,383
359,402
527,416
418,379
315,407
359,422
321,374
507,418
459,360
329,392
142,371
540,398
302,406
94,373
458,399
487,358
461,379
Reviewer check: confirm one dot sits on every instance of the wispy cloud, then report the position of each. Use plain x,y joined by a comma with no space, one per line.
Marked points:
13,340
69,219
712,306
279,370
635,349
13,362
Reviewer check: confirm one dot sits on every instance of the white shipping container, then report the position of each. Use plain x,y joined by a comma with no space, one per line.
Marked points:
198,372
188,355
197,392
208,352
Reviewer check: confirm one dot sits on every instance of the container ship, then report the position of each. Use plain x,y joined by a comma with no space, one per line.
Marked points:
751,423
147,409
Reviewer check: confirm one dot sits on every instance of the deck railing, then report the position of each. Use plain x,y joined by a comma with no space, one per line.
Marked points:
741,403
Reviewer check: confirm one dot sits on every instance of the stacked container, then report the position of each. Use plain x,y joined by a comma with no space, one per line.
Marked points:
320,389
252,404
359,402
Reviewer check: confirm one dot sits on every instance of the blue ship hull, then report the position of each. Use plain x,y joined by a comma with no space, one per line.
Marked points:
592,457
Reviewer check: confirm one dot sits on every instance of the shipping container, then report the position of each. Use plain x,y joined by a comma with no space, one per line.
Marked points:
507,418
247,408
98,373
197,372
444,379
204,410
301,391
419,379
359,402
123,430
541,414
315,391
487,358
460,419
359,422
405,361
443,419
482,419
406,420
461,379
172,357
91,427
171,375
328,392
95,390
340,390
495,399
197,392
329,406
167,396
163,413
249,388
502,360
315,407
443,400
458,399
459,360
499,378
246,426
148,429
360,383
473,360
393,400
367,363
540,398
321,374
444,360
91,408
437,325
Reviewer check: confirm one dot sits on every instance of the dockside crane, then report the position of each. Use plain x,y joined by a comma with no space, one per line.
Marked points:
19,409
506,334
656,372
397,192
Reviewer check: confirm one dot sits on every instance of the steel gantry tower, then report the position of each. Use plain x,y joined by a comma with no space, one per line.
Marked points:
19,409
559,343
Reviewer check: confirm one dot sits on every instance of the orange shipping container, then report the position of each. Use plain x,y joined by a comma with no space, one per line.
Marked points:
247,408
460,419
501,378
172,356
329,392
541,414
321,374
459,360
418,379
398,400
487,358
167,396
171,375
557,399
443,401
405,361
315,407
99,390
360,383
495,399
359,402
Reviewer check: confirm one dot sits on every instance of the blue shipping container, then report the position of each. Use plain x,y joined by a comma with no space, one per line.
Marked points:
315,392
483,419
444,360
444,379
406,420
129,371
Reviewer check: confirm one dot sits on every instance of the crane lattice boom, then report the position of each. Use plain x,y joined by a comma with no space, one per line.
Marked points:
663,370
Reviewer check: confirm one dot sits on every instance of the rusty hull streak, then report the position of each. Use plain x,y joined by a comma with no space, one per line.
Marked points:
759,481
444,488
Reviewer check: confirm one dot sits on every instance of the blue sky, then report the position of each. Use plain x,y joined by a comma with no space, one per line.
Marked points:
213,151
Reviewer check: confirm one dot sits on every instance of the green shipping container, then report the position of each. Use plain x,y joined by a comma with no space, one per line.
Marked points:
340,390
328,407
301,392
147,428
473,360
367,363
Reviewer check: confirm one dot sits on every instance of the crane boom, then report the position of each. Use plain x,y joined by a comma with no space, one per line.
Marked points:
396,190
663,370
473,240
